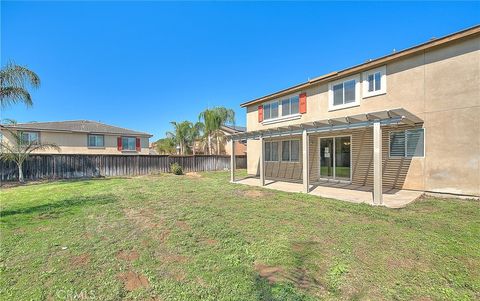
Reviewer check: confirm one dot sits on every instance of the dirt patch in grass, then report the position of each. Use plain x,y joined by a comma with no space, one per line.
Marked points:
209,241
193,175
271,273
80,260
143,219
174,258
132,281
183,225
127,255
255,193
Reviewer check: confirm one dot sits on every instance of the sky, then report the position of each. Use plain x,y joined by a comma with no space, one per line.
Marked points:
140,65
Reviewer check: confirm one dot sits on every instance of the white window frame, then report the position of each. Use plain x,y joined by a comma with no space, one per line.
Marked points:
406,143
331,106
29,138
270,103
134,144
281,118
278,152
96,146
383,82
290,151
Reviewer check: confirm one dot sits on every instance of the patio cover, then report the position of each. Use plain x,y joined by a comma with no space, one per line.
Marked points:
386,117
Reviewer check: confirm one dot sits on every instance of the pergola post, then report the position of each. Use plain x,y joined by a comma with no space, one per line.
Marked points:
232,161
305,167
377,163
262,162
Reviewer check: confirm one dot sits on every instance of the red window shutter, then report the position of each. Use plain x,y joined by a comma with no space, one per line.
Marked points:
260,113
119,143
137,145
303,103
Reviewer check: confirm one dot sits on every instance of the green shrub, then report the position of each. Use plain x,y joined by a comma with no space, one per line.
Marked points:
176,169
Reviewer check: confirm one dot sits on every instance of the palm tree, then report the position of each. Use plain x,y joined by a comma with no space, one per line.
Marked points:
194,134
14,81
18,150
213,120
165,146
180,134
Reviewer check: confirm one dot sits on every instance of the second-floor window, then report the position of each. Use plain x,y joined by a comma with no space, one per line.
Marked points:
374,82
128,143
96,141
30,137
270,110
290,106
344,93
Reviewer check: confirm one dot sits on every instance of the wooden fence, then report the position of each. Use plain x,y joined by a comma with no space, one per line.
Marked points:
86,166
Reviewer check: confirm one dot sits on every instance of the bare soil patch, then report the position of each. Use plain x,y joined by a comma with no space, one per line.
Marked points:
183,225
271,273
127,255
174,258
143,219
80,260
193,175
255,193
132,281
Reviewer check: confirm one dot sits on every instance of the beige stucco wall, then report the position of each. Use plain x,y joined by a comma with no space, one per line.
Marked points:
76,143
240,148
442,87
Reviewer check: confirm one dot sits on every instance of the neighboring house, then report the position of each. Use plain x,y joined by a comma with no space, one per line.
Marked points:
82,137
408,120
240,146
226,145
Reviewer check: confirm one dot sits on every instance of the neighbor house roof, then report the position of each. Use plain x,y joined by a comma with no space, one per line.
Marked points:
460,35
233,128
81,126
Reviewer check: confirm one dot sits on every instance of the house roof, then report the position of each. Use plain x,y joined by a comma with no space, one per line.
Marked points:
460,35
81,126
233,128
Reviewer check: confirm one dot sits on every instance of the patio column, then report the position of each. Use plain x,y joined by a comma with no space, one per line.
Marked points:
377,163
262,162
305,167
232,161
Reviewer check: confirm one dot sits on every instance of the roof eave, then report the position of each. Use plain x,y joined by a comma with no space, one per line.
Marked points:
460,35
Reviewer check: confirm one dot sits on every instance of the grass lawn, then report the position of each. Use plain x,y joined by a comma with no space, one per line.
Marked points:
199,237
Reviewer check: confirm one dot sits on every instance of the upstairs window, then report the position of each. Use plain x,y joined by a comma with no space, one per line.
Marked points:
30,137
408,143
270,110
344,93
291,150
128,143
290,106
374,82
96,141
271,151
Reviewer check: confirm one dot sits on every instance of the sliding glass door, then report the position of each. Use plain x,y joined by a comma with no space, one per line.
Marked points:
335,154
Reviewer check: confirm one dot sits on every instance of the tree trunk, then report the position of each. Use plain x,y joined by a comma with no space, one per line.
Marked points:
193,147
20,174
218,146
209,144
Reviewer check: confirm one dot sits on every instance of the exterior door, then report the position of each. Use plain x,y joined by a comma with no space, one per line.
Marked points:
335,154
326,158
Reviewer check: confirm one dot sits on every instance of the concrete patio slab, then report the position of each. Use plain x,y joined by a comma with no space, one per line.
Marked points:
393,198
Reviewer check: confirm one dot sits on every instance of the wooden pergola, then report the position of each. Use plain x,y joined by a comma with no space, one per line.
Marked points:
373,119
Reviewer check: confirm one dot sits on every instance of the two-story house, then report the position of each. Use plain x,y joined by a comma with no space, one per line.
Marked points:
409,120
81,137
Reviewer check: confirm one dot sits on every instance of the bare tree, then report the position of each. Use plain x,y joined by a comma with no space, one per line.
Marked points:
18,150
